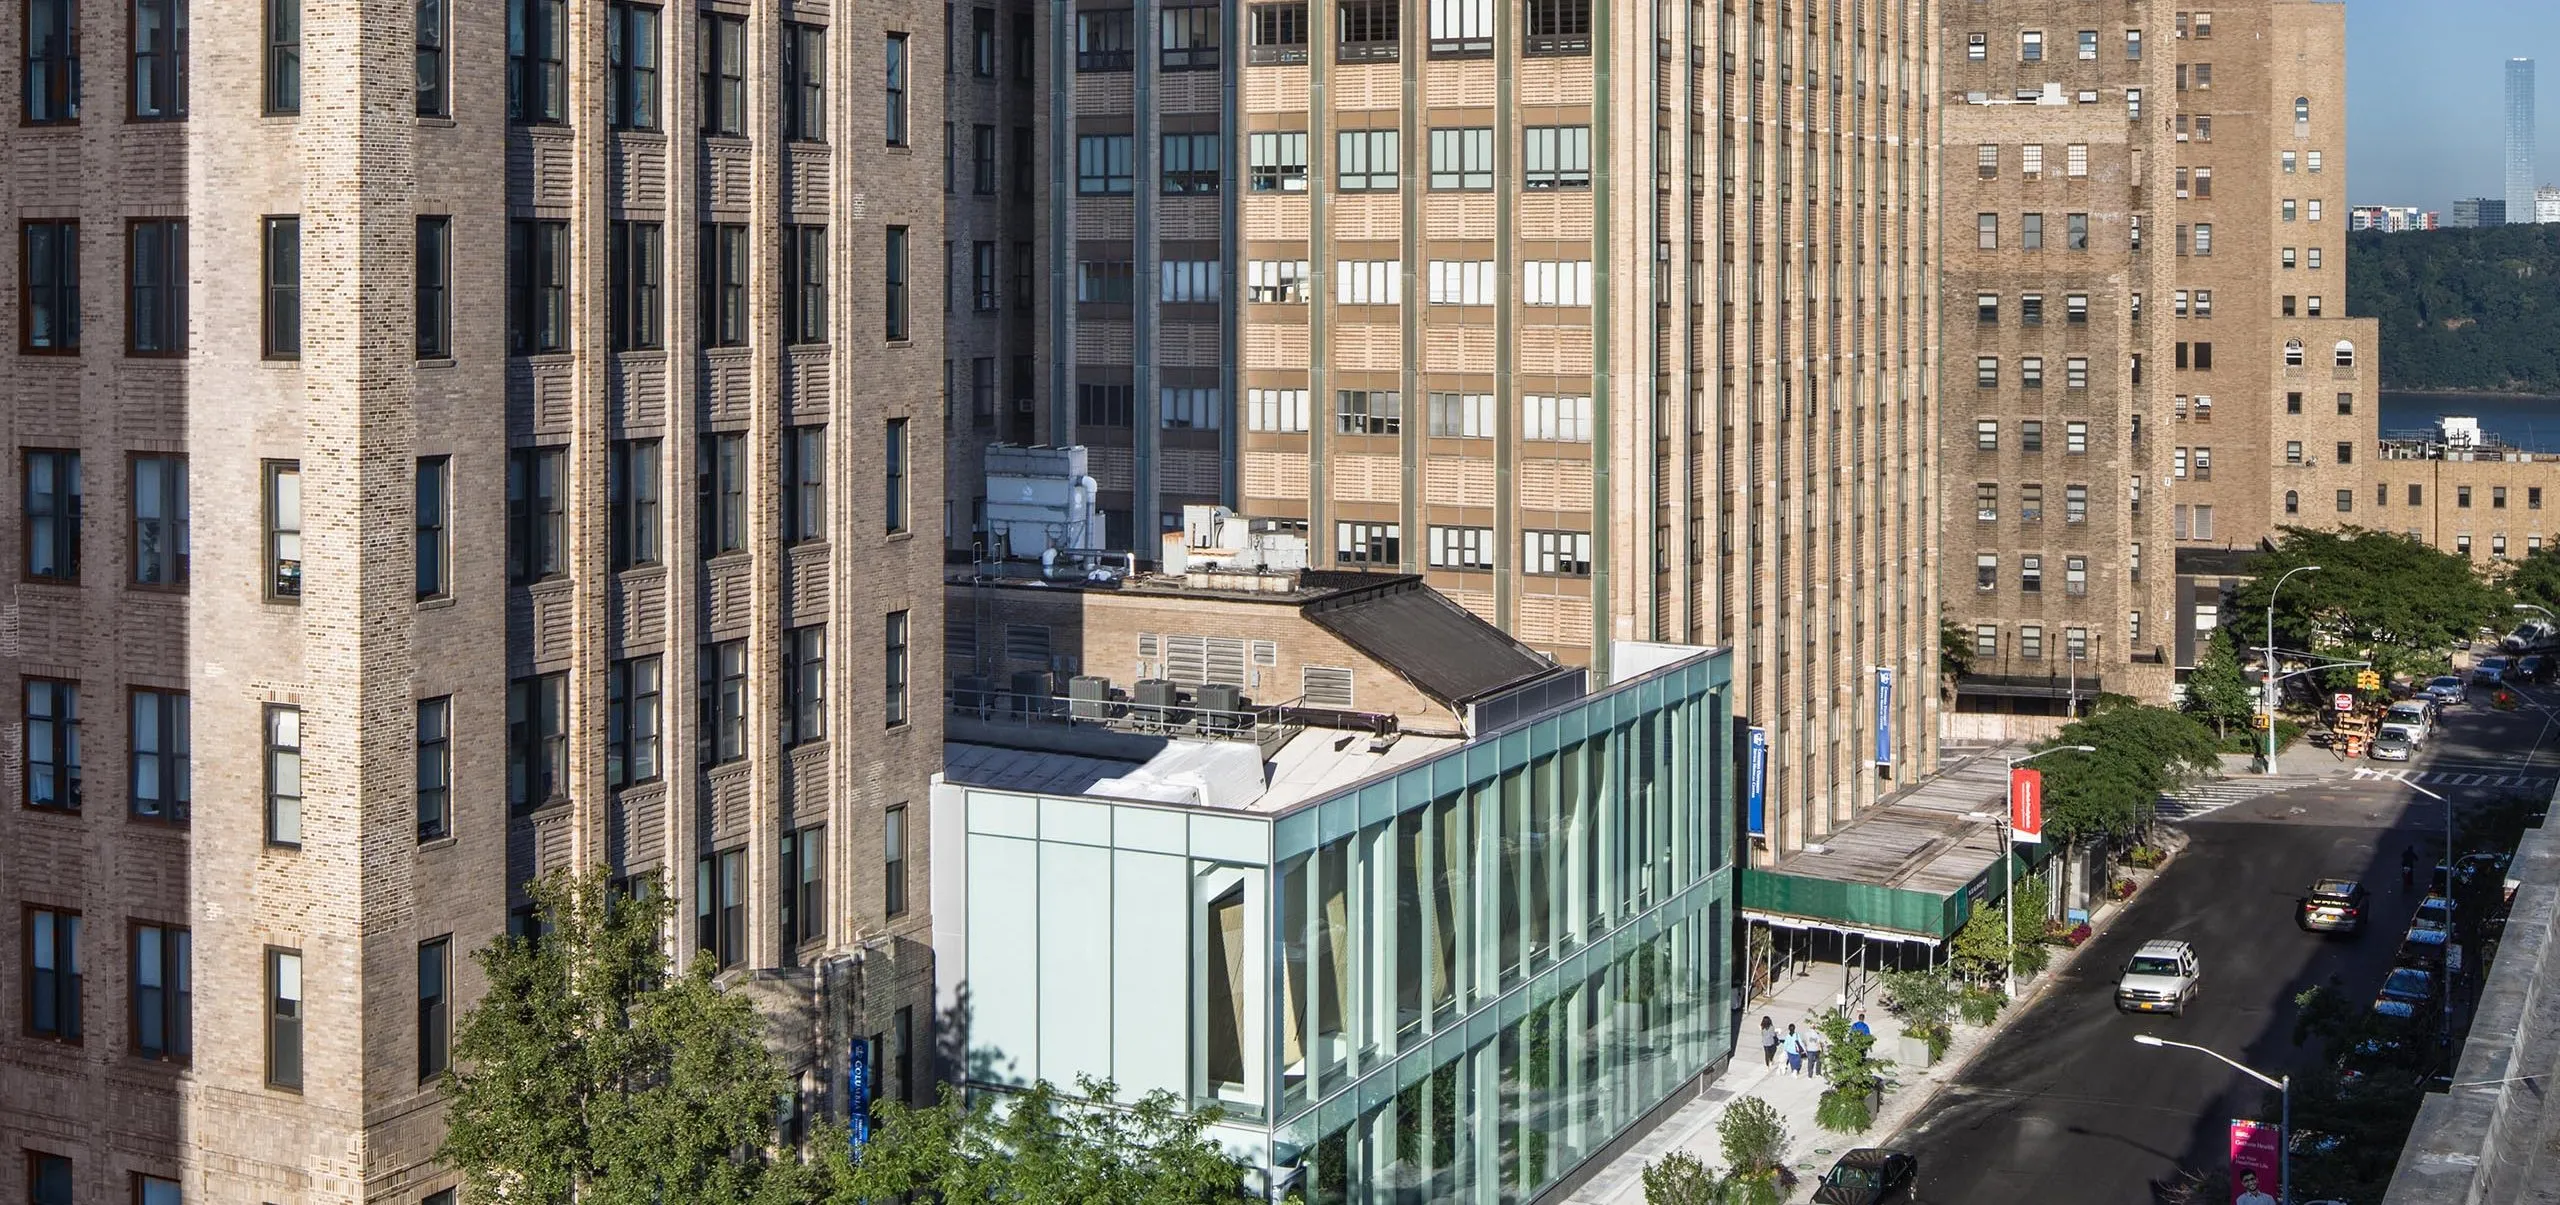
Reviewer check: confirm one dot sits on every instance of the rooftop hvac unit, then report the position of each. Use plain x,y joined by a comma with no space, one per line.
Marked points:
1089,697
1031,689
1220,706
969,694
1155,701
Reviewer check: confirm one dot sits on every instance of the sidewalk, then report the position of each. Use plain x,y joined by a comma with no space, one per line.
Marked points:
1811,1149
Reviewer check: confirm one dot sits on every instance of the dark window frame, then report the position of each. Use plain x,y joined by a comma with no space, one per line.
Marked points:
537,514
1277,33
1368,31
895,648
1105,39
804,82
537,62
280,292
635,284
435,58
54,992
894,115
893,860
435,1007
720,492
172,1039
1556,27
804,886
49,88
283,90
284,1019
894,277
804,684
170,755
432,782
155,287
721,48
537,741
720,906
636,498
538,275
281,740
724,284
433,270
633,61
283,574
725,704
49,284
59,717
893,477
804,285
1179,33
804,483
431,515
50,521
635,720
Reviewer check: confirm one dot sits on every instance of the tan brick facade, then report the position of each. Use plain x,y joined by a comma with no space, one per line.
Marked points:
359,649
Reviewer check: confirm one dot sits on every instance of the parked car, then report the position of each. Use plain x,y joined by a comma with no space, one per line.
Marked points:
2161,977
2533,635
2392,747
2380,1054
2434,912
2445,690
2423,947
1868,1175
2332,906
2404,991
2489,671
2421,712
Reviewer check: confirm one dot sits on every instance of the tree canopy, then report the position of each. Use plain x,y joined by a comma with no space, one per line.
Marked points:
2378,596
590,1074
2142,751
2219,692
2462,309
1040,1148
2536,579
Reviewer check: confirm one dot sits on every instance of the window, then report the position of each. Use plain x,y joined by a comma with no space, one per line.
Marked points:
163,995
537,514
433,535
894,675
804,684
720,906
1369,411
1102,165
1368,282
894,98
1277,281
1564,419
633,496
1190,408
1557,156
1986,501
1461,158
2031,309
635,281
1105,281
1193,281
2075,576
1460,415
159,777
435,1027
2344,353
2031,231
720,477
894,284
2497,493
52,729
723,49
724,285
1986,434
1189,38
2346,501
2031,160
2292,502
2532,497
982,160
1191,163
2347,455
1556,553
537,287
435,769
2311,305
893,858
631,55
155,289
281,257
2075,438
1986,308
2075,370
2075,232
804,885
804,284
2497,542
284,1019
2031,435
1555,282
634,720
982,43
283,63
1368,543
1462,548
2031,46
804,82
49,322
1103,405
284,530
2075,504
1279,33
1103,39
51,515
1977,47
2462,544
804,484
1986,231
53,974
537,740
1277,410
1368,160
2031,372
1986,640
2031,574
1461,282
284,775
894,475
1461,27
1369,30
2031,503
2204,464
1986,372
2133,96
1277,162
1559,27
1986,571
1986,160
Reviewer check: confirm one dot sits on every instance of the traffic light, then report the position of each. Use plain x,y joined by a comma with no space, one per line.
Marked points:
2258,720
2368,680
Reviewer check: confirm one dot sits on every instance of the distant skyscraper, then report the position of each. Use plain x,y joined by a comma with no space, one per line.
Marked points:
2520,140
2479,211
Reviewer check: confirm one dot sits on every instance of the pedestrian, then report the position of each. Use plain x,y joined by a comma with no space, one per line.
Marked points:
1768,1042
1860,1026
1794,1046
2408,866
1813,1053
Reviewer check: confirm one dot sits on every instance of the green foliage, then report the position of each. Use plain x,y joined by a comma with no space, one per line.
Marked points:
591,1074
1680,1179
2461,309
1982,948
1925,1001
1856,1077
1981,1005
2219,692
1040,1148
1955,650
2142,751
2536,579
2379,597
1753,1137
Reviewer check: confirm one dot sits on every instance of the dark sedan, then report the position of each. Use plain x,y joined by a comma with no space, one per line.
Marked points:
2404,991
2332,906
1868,1175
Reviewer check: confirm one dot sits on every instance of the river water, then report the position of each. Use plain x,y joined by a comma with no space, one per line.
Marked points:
2531,423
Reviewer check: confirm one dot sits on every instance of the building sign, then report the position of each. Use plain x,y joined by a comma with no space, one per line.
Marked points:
1755,787
2026,805
1884,715
2255,1177
857,1093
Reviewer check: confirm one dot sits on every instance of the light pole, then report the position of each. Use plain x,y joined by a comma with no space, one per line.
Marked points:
2284,1129
2270,665
2009,864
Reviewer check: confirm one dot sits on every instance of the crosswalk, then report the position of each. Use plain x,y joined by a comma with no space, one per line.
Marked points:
2215,794
2463,778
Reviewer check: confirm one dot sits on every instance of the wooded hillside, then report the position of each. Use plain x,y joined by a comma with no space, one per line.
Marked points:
2462,309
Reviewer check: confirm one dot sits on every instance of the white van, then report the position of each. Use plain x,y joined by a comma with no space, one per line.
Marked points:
2414,712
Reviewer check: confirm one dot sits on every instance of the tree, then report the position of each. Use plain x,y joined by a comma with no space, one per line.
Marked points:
1754,1139
2378,597
1040,1148
1981,949
1679,1178
1955,654
2536,578
590,1074
1925,1002
2218,692
2142,751
1856,1077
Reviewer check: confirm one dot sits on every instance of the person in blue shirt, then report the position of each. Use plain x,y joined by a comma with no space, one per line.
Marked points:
1860,1026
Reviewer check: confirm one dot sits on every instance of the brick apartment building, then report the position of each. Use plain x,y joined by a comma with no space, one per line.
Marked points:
352,404
2147,218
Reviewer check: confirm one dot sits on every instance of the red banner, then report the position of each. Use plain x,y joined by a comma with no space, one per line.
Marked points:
2026,804
2254,1163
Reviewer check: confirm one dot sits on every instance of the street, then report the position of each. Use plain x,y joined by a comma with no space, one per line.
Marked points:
2066,1107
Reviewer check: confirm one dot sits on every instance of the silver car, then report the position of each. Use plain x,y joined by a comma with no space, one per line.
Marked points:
2392,748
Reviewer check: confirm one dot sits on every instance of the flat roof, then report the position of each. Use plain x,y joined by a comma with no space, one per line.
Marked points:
1918,840
1315,763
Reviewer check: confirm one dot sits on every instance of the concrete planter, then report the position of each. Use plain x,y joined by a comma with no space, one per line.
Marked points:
1913,1051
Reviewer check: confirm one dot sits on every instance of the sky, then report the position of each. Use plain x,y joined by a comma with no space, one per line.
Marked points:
2426,88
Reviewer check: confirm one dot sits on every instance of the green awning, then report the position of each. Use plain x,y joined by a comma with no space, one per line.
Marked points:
1916,913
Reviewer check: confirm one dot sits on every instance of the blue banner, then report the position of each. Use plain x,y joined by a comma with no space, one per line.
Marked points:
1884,715
857,1092
1756,783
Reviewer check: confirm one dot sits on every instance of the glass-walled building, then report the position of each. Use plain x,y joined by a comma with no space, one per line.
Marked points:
1412,968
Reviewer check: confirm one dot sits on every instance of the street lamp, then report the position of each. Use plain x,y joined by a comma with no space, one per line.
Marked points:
2284,1131
2270,665
2444,1034
2009,863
